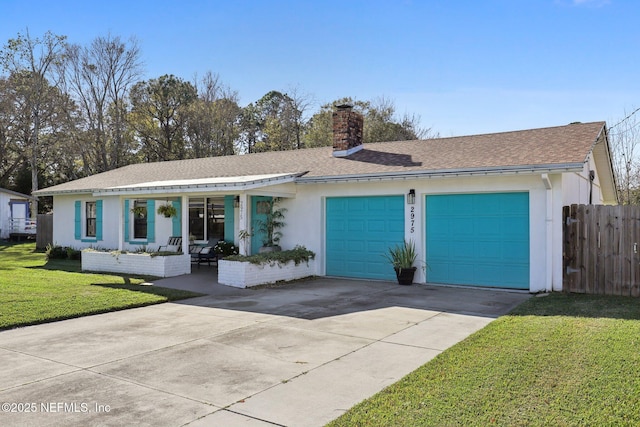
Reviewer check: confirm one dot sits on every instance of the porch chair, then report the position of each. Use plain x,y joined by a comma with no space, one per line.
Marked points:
174,244
206,254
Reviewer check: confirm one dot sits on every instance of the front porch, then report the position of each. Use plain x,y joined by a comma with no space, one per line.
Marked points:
178,217
203,211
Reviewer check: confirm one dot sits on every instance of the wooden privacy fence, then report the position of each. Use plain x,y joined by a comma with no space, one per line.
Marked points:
601,253
44,235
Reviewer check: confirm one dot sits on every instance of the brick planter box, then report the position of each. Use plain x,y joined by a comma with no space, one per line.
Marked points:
143,264
244,274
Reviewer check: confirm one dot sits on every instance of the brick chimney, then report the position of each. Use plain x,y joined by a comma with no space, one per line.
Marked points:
347,131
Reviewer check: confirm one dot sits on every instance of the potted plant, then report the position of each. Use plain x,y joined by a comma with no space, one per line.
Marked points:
270,226
168,210
402,257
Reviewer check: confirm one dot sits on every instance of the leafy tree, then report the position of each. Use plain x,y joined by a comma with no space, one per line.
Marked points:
10,155
159,115
30,62
250,129
274,123
212,120
380,123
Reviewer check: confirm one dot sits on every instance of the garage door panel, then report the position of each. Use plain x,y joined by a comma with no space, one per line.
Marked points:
373,225
515,251
478,239
396,226
487,225
462,226
462,250
488,251
376,226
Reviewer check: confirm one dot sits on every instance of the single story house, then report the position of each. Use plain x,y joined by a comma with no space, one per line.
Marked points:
15,214
483,210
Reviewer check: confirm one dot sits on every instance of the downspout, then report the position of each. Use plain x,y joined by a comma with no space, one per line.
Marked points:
549,233
592,176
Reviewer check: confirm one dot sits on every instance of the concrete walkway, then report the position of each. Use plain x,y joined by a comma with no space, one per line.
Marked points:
295,355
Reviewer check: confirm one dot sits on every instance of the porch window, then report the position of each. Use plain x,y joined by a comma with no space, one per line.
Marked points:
90,218
140,219
206,218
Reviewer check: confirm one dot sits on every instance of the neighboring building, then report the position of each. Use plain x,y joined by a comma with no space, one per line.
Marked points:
483,210
15,214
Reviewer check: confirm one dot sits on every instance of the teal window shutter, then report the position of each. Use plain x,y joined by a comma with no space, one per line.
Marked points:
229,218
78,220
176,221
151,221
98,219
126,220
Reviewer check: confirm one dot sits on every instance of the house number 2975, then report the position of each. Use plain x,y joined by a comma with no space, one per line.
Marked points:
412,220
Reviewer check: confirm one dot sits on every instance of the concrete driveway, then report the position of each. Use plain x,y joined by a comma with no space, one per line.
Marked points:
296,355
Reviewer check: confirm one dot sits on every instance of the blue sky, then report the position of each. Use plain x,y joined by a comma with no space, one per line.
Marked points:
465,67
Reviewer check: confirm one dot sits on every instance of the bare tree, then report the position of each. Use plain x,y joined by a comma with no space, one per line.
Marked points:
99,78
625,146
32,60
301,102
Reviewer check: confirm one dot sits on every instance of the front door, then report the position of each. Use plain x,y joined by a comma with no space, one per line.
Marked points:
259,210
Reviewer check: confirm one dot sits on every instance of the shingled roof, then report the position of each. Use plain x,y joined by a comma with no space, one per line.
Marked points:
560,148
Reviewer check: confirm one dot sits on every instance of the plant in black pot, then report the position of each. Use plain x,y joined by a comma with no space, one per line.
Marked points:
402,257
271,225
168,210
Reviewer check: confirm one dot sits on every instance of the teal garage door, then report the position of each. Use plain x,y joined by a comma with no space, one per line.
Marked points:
478,239
359,231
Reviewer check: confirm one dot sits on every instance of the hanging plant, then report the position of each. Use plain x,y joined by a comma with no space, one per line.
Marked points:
139,211
168,210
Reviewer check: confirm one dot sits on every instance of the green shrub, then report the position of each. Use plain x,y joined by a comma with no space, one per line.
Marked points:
62,252
297,255
73,254
56,252
225,248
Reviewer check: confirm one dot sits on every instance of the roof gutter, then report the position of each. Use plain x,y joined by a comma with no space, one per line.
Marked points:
444,173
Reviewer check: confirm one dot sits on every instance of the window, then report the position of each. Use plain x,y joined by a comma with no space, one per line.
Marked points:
140,219
90,218
206,218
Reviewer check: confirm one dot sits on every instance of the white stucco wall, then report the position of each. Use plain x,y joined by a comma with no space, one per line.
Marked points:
64,224
305,217
306,221
576,186
5,213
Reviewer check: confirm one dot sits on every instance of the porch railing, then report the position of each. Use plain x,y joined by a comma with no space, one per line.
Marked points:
22,225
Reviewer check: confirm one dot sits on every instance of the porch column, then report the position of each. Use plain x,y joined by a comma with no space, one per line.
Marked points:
121,225
184,215
548,232
243,224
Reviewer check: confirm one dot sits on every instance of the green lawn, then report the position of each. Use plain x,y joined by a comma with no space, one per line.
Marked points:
33,290
560,360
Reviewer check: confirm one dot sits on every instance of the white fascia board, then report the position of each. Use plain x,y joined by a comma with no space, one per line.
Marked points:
18,195
192,186
387,176
43,193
